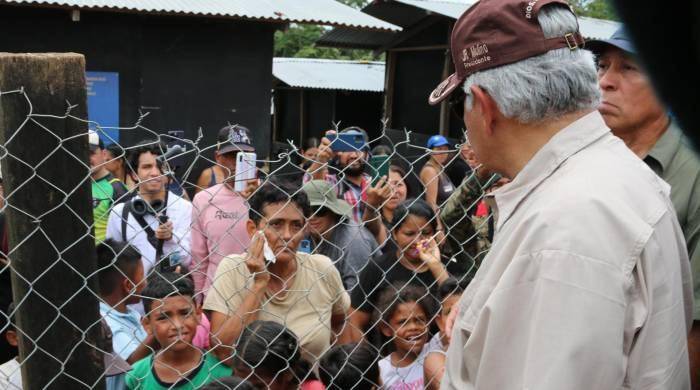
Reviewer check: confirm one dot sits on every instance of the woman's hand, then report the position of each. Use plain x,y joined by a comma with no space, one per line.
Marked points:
255,260
429,252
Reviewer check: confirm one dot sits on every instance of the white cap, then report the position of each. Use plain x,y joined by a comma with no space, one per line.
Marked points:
93,139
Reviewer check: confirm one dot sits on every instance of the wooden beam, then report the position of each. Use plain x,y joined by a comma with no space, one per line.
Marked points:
389,88
52,255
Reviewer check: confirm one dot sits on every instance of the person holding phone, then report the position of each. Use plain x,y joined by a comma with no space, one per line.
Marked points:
302,291
220,212
349,178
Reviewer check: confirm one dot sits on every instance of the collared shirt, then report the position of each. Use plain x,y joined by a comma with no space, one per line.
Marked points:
219,217
127,331
673,159
587,283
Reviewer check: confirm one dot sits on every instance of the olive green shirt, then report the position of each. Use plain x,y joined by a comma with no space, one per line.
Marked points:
673,159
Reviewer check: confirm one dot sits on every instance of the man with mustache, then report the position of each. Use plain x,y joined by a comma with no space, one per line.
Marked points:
633,112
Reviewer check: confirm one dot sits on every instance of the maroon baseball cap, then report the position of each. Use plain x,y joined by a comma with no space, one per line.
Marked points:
492,33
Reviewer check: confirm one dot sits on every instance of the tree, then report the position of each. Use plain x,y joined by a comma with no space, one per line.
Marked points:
599,9
299,40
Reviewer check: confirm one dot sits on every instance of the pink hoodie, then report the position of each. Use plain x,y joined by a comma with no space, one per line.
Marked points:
219,217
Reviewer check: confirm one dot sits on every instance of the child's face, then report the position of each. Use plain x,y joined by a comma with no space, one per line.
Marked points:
408,327
173,322
447,306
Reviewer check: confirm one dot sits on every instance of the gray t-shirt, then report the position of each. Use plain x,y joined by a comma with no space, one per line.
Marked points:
350,248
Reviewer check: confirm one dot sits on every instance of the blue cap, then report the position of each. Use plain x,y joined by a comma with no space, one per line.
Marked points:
437,140
620,39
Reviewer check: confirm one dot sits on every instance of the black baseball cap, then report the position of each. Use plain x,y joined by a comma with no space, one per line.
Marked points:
234,138
620,39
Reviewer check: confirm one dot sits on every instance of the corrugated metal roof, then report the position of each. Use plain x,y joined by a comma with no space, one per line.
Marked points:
354,38
328,12
330,74
589,27
340,37
450,8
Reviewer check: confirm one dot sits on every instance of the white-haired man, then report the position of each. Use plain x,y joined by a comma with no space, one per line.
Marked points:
587,283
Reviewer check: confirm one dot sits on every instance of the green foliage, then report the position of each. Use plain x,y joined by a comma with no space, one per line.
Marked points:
299,41
599,9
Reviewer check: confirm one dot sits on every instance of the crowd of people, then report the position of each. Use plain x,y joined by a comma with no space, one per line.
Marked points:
554,247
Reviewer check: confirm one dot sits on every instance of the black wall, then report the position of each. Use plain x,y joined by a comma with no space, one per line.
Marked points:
322,108
187,72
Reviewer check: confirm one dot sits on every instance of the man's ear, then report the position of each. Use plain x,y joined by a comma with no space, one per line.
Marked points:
483,102
251,227
127,286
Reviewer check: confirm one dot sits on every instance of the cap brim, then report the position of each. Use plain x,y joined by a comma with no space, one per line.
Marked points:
115,365
597,46
338,207
236,148
445,89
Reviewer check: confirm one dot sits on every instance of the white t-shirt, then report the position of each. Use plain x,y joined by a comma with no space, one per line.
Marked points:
179,211
11,375
403,378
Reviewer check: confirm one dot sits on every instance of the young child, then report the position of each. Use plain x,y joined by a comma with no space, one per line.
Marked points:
121,278
172,317
350,366
267,355
449,293
405,319
10,372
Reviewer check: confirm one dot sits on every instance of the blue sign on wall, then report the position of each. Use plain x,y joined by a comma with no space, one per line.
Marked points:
103,103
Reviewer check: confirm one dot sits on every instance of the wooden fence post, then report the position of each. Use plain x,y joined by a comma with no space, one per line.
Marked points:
47,186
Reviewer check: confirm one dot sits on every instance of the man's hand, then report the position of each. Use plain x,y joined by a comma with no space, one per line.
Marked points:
165,231
450,322
325,153
380,193
255,260
250,187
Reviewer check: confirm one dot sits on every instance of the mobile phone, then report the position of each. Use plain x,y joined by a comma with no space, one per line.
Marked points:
350,141
170,262
379,166
304,246
245,170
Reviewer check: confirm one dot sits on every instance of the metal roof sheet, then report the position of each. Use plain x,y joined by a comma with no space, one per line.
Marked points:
354,38
340,37
590,27
330,74
328,12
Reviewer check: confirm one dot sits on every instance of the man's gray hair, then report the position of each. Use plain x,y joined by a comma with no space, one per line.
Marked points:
558,82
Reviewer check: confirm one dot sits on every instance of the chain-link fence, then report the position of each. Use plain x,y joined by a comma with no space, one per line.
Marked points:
336,264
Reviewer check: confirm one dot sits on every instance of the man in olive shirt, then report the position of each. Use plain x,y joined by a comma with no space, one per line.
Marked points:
633,113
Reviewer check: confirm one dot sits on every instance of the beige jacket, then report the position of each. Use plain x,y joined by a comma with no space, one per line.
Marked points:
587,284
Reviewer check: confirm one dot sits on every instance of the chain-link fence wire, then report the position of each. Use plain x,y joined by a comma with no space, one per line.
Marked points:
316,255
